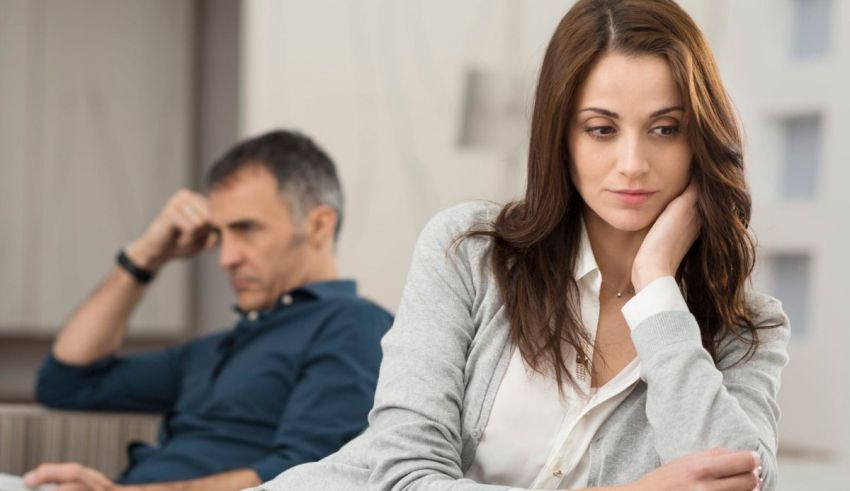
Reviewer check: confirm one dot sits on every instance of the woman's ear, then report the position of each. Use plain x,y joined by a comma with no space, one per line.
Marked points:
321,226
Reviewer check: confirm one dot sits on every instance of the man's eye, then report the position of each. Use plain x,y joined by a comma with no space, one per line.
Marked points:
244,228
600,131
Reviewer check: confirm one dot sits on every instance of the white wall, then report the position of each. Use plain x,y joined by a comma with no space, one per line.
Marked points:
379,85
767,84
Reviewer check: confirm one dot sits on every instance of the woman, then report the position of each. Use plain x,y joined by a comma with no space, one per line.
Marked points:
598,332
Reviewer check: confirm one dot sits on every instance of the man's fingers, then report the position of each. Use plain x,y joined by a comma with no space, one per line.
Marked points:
199,205
189,213
193,205
194,213
211,242
180,218
71,487
190,205
173,232
186,230
67,473
50,472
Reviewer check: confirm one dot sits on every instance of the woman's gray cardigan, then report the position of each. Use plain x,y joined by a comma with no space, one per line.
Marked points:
445,356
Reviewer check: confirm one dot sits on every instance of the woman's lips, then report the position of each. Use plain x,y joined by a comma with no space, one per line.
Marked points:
636,197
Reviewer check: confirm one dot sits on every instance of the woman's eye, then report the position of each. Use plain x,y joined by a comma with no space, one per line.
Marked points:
600,131
666,130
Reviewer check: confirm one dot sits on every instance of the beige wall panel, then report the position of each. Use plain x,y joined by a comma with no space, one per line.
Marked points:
14,163
105,137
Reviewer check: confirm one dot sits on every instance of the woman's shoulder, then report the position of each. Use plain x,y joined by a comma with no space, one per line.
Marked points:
765,309
465,216
772,328
449,226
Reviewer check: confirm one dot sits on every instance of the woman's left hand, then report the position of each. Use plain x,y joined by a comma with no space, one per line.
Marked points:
668,240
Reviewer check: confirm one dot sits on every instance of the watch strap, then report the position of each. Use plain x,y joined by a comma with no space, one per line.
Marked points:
141,275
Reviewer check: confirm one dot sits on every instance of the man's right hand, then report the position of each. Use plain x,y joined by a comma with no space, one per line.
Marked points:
716,469
98,326
181,229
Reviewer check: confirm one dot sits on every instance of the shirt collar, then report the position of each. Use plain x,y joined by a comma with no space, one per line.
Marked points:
320,290
329,289
586,262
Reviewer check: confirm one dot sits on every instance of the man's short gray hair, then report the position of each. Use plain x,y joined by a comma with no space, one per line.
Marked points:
305,174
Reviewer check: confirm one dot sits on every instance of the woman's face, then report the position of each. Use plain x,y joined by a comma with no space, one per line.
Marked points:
629,156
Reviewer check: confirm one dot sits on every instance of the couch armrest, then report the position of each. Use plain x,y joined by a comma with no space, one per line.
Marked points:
31,434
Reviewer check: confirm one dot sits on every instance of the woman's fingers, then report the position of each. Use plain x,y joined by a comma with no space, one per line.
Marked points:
747,481
717,469
715,451
668,240
734,464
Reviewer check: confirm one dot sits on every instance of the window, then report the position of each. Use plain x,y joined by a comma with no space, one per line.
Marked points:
811,28
790,278
801,143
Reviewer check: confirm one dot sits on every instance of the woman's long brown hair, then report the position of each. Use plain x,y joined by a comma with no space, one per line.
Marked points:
537,239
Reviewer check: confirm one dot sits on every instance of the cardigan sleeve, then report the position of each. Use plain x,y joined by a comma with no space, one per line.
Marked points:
693,404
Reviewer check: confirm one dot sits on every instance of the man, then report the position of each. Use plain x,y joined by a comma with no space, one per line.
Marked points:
290,383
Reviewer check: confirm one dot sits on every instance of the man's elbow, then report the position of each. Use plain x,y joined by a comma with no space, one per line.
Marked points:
58,394
54,396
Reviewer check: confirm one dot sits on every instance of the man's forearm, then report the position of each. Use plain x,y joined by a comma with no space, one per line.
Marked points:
225,481
97,327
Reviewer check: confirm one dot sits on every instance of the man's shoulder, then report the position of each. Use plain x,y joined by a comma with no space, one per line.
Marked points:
357,310
349,324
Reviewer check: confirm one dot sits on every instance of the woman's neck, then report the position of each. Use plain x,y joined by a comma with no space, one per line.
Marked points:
613,249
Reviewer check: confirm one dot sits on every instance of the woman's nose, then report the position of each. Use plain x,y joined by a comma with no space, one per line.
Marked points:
631,161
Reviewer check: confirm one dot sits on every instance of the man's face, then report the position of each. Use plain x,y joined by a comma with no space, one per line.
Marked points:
263,249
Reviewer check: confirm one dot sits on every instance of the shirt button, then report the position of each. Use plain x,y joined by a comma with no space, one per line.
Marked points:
476,433
286,299
252,315
557,473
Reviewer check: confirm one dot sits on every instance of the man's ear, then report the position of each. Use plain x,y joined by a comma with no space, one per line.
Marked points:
321,225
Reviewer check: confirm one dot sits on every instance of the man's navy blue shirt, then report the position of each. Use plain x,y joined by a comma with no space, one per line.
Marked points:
285,386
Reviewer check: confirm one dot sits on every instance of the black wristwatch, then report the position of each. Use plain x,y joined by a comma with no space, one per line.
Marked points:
140,274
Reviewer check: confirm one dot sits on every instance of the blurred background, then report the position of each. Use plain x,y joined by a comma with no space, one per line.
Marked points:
107,107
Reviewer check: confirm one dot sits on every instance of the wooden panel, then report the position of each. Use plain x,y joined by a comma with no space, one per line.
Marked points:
96,135
30,435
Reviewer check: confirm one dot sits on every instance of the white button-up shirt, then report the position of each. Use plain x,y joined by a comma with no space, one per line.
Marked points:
535,437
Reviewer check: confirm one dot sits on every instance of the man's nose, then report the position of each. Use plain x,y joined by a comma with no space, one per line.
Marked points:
229,254
632,160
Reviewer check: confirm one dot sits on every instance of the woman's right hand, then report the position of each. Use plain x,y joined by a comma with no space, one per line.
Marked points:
717,469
